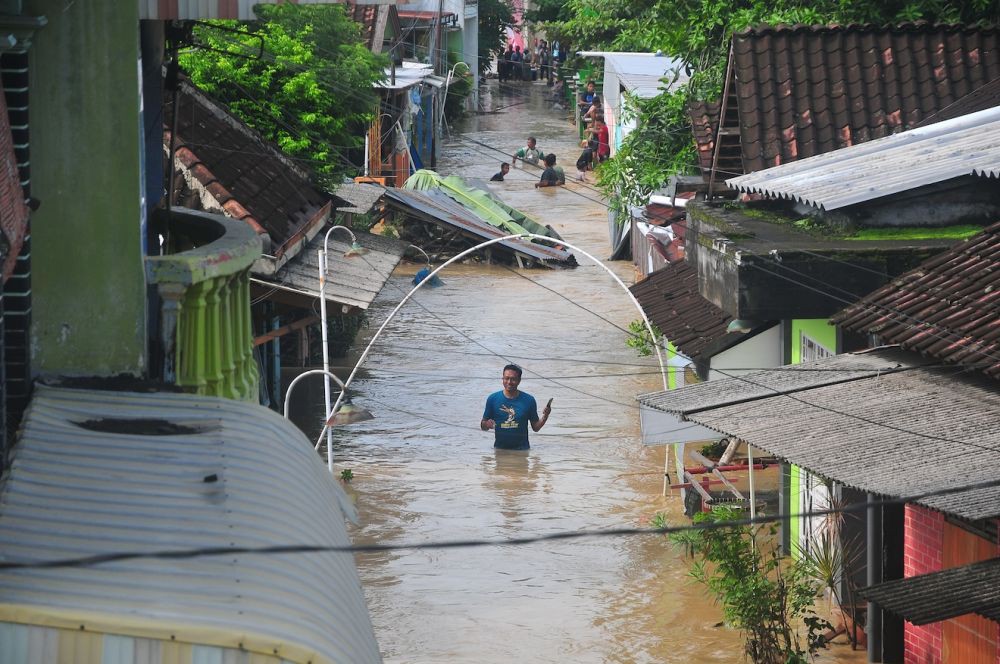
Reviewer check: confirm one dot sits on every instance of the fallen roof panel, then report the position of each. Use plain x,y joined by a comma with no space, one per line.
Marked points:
438,207
942,595
875,421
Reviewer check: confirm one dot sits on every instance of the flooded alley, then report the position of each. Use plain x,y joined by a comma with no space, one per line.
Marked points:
425,472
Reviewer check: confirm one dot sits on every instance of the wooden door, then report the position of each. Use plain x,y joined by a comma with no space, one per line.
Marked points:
969,639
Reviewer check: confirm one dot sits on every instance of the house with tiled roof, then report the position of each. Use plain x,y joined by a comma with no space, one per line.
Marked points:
792,92
141,361
820,232
946,312
223,166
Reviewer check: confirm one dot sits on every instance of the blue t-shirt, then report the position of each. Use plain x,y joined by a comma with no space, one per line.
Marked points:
511,417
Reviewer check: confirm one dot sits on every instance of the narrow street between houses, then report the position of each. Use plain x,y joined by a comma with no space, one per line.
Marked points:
424,471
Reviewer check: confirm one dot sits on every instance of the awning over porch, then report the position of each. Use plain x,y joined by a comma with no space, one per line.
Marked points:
877,421
942,595
351,281
98,472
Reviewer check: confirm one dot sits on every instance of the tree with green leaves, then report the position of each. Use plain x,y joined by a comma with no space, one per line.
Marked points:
310,91
769,599
495,16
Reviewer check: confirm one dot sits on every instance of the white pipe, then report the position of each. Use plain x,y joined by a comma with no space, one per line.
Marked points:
288,390
378,333
323,266
326,347
753,497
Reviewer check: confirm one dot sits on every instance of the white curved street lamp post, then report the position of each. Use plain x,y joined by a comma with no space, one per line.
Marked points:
481,245
323,331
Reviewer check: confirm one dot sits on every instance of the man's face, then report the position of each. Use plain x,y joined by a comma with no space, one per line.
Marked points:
510,380
505,169
531,143
590,87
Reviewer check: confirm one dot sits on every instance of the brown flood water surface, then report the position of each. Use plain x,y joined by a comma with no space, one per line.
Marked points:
424,472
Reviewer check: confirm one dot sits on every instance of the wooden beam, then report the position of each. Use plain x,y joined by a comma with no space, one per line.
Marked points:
285,329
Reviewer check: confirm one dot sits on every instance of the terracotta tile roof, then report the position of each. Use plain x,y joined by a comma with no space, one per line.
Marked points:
986,96
244,175
672,302
798,91
948,308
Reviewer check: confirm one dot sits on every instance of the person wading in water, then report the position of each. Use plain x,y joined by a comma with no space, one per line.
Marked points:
509,411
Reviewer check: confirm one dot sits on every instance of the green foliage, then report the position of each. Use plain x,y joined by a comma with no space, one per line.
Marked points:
714,450
546,11
770,600
494,18
962,232
640,340
346,475
311,93
659,147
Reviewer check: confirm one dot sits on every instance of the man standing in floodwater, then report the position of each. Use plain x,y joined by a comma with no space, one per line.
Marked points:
509,411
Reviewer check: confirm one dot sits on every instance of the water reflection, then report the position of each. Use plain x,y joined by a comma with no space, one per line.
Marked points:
514,476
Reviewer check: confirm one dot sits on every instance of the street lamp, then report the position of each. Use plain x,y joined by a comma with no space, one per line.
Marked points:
347,413
355,250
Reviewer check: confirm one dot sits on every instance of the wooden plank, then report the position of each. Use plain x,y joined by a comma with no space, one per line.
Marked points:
285,329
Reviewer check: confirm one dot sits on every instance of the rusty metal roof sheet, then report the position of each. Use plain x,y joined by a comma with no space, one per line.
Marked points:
351,281
967,145
798,91
875,421
672,302
438,207
937,596
98,471
947,308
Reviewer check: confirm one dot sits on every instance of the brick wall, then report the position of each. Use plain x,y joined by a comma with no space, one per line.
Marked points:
922,549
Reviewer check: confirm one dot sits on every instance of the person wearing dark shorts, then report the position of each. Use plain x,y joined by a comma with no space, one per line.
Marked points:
509,412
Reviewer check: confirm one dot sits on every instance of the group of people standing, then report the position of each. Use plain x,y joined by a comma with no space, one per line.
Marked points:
540,61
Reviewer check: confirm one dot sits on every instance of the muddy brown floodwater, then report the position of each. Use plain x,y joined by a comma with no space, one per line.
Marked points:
424,472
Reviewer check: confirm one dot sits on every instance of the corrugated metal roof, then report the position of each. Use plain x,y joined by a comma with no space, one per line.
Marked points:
641,73
238,475
942,595
189,10
437,206
407,75
873,421
362,197
968,145
946,308
352,281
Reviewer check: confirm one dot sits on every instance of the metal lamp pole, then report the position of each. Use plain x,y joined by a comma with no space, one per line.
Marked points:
481,245
326,347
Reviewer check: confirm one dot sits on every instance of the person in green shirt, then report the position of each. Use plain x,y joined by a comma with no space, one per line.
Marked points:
530,154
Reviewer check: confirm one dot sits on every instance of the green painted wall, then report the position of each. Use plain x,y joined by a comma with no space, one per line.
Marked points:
675,376
88,307
817,329
820,331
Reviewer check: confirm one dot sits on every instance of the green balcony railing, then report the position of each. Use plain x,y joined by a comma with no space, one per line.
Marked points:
204,287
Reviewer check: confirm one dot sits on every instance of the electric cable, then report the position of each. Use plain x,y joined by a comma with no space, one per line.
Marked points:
209,552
